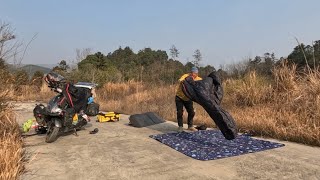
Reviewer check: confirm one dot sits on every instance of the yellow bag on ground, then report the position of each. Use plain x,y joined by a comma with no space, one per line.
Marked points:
108,116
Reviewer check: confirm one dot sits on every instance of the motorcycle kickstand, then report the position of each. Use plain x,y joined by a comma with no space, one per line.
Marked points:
75,132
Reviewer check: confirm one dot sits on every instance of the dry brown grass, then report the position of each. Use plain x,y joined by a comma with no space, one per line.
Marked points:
11,152
257,90
29,92
11,144
285,107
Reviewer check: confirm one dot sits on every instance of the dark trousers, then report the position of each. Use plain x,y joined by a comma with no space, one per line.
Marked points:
189,107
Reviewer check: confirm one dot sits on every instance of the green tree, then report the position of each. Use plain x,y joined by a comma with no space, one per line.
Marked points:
197,58
62,66
148,56
306,55
188,66
147,65
174,52
205,71
262,65
316,53
98,60
269,62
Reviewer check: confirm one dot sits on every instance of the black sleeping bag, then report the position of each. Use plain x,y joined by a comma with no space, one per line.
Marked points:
208,93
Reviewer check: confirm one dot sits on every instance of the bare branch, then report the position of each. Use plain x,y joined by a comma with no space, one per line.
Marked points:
25,49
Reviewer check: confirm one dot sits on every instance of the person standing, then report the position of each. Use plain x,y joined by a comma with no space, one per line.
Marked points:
183,101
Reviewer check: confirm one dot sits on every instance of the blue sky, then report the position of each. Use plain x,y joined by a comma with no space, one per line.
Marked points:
224,31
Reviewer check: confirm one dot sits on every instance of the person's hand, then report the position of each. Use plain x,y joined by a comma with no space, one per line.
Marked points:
190,80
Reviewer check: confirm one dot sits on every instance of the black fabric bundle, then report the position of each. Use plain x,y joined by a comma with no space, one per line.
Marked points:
209,93
77,97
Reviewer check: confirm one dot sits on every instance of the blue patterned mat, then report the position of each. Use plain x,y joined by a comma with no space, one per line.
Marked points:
210,145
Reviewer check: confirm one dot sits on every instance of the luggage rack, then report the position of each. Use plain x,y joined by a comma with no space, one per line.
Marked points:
88,85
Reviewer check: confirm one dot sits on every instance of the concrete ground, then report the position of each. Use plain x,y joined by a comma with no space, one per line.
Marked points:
119,151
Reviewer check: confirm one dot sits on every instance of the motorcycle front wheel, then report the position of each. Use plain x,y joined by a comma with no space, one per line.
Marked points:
52,133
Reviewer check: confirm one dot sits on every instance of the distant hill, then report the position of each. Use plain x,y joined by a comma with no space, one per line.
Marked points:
50,66
30,68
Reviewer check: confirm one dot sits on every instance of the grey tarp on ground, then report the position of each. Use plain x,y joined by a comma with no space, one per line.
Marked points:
209,93
145,119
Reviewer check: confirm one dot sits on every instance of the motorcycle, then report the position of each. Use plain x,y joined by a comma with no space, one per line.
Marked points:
51,118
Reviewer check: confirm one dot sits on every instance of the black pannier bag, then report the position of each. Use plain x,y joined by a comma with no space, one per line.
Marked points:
92,109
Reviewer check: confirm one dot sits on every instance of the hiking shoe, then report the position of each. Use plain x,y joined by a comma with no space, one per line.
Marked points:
94,131
180,129
201,127
192,129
